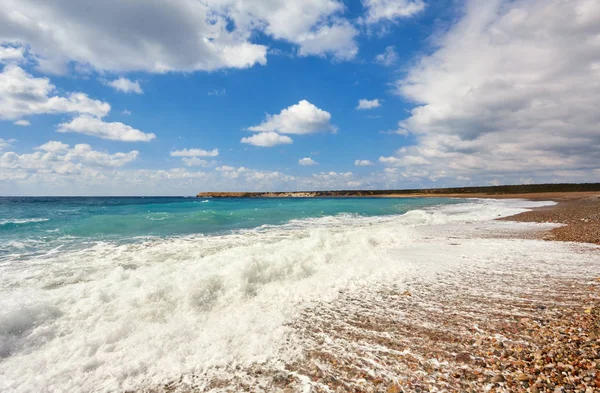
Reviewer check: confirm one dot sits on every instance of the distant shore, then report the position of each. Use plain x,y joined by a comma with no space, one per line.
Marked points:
528,191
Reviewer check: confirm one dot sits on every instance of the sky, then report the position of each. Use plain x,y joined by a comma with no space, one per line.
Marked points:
151,97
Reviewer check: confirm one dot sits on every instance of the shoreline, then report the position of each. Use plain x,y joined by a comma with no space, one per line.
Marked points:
506,191
579,214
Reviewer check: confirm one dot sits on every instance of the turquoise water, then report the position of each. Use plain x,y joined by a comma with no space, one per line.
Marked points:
38,225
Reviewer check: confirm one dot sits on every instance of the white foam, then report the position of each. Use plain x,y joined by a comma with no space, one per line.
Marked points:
22,220
111,318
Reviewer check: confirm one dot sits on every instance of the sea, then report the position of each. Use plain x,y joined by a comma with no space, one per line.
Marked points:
125,294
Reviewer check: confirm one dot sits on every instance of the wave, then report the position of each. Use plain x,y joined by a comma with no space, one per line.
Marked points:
22,220
145,313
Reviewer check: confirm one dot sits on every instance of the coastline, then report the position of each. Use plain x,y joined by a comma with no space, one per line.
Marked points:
536,191
538,196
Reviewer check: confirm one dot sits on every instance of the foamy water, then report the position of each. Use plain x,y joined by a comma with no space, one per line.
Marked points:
113,317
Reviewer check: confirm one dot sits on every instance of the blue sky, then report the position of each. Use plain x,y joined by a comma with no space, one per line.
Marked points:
185,96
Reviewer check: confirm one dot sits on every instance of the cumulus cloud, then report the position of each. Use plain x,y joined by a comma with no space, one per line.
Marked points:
195,153
306,161
125,85
59,158
363,163
10,54
391,10
195,161
301,118
94,126
388,58
54,147
337,40
510,92
368,104
6,143
22,123
177,35
21,95
316,26
267,139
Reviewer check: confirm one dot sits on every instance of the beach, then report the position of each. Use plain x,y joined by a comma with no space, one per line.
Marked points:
444,295
580,213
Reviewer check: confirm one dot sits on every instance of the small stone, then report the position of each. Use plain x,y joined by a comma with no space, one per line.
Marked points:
394,388
523,377
464,357
498,378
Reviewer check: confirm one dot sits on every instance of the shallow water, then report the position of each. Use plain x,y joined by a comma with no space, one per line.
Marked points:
38,225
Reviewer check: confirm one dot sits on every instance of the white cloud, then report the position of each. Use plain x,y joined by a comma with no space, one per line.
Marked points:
511,92
116,131
363,163
388,58
10,54
316,26
254,179
85,154
54,147
195,153
125,85
6,143
337,40
391,10
306,161
302,118
329,181
60,159
406,160
267,139
177,35
21,95
368,104
195,161
22,123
